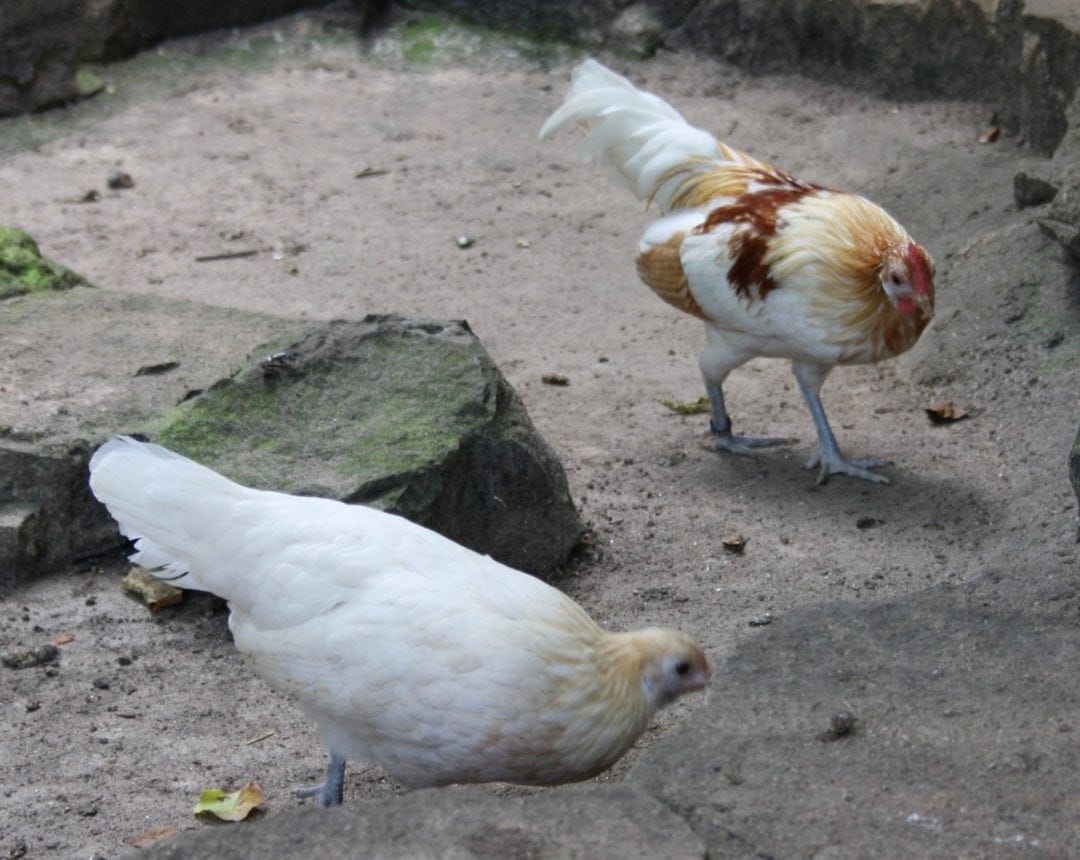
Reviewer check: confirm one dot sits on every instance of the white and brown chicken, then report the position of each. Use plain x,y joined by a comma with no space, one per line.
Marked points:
773,266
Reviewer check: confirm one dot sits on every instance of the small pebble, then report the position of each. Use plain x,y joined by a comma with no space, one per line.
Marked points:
1032,191
101,683
27,659
841,726
119,179
464,241
15,849
735,543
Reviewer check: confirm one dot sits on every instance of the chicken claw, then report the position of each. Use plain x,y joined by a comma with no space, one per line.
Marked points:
331,791
834,464
744,445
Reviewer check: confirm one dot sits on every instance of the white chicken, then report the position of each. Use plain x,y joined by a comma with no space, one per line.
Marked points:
406,649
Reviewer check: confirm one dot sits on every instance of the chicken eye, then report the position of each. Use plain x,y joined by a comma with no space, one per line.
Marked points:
682,668
894,279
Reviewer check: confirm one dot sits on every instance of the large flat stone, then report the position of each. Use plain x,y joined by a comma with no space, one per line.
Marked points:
408,416
965,735
75,368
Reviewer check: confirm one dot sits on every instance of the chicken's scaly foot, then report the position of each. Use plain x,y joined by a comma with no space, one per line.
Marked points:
828,459
720,427
834,464
331,791
744,445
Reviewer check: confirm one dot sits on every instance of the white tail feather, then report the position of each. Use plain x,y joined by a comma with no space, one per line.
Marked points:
643,141
167,504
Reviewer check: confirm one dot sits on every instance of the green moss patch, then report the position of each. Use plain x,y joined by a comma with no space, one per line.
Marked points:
23,269
348,410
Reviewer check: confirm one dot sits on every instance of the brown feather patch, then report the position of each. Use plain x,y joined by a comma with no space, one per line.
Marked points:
660,267
729,180
756,216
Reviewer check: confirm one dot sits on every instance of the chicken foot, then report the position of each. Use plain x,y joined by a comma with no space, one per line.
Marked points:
720,427
828,459
331,791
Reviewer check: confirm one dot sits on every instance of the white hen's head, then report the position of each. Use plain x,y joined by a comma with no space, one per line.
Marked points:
656,666
671,665
606,708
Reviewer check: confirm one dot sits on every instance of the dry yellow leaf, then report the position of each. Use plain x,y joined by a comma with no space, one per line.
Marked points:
153,592
690,407
230,805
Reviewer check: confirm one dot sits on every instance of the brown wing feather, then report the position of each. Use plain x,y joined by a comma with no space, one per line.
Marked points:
660,267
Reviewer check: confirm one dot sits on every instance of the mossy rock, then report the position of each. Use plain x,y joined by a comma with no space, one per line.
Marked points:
23,269
408,416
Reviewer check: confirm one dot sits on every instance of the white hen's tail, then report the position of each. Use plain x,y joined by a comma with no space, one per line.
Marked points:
643,141
183,517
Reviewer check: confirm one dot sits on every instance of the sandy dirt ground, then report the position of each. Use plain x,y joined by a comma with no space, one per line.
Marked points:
251,141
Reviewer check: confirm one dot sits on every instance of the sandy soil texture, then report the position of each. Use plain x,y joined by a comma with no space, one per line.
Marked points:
143,710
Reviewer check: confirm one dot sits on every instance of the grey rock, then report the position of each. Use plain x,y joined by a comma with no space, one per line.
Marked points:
44,46
907,50
950,756
48,518
495,486
409,416
583,22
28,659
1044,94
1041,104
1023,59
636,31
1062,220
23,268
1032,191
1066,233
597,821
50,422
1074,473
39,53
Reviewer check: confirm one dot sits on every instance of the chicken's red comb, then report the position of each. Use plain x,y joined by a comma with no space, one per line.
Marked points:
922,280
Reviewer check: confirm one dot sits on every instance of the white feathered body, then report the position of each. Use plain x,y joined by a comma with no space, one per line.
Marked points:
407,650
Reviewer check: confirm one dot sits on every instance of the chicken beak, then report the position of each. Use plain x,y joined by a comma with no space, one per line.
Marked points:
700,679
